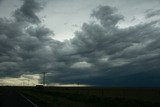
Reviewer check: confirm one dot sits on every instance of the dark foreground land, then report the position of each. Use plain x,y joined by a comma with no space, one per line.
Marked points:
78,97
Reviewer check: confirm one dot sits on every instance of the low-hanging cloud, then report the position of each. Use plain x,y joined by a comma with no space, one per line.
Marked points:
99,54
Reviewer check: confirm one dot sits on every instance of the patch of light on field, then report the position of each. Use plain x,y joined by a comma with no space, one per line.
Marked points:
69,85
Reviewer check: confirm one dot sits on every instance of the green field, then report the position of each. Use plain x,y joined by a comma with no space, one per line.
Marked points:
91,96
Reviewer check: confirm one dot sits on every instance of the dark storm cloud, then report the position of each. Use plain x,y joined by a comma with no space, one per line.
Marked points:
21,44
28,10
99,54
115,55
152,13
107,16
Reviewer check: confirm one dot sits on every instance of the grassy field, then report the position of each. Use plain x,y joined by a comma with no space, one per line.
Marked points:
91,96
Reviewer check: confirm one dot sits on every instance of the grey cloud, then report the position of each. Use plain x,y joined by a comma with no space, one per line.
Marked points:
23,48
114,52
40,32
109,53
152,13
107,16
158,0
27,12
1,1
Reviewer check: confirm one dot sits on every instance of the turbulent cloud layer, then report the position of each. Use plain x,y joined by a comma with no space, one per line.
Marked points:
27,11
100,54
152,13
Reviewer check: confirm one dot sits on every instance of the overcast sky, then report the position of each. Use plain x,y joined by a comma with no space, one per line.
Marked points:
91,42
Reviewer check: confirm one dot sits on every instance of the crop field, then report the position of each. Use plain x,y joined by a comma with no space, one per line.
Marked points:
90,96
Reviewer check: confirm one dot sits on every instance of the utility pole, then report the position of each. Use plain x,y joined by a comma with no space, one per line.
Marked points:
44,82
